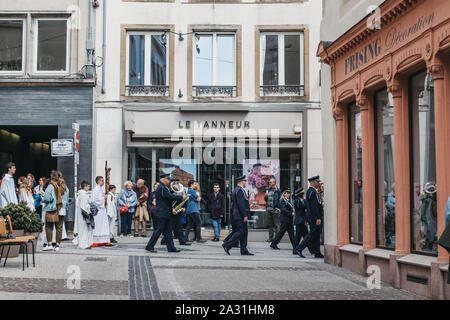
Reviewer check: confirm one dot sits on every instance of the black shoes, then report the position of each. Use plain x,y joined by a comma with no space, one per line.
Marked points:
112,240
176,250
185,244
318,255
274,247
299,253
226,249
247,254
201,240
216,239
152,250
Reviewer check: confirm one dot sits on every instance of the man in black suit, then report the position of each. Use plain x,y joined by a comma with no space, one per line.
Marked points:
314,217
163,211
286,217
240,213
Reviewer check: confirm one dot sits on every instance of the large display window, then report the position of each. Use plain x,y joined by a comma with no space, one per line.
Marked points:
355,167
149,162
423,164
384,151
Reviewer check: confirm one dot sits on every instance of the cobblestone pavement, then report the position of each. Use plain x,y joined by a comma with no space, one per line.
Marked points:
200,271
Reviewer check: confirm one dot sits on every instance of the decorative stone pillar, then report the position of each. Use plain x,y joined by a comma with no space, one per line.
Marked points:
399,90
343,236
441,76
365,104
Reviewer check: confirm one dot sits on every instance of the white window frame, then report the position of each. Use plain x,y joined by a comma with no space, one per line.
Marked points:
24,48
281,62
35,49
147,56
214,57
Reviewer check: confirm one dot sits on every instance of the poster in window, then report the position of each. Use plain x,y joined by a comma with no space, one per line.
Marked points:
182,170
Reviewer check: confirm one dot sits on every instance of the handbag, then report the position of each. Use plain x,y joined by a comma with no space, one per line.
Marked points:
51,216
124,209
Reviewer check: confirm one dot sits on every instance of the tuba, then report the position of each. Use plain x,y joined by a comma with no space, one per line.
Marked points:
177,187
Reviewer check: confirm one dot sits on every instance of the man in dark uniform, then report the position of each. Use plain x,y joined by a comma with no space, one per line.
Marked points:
176,224
163,212
301,230
286,217
240,213
314,218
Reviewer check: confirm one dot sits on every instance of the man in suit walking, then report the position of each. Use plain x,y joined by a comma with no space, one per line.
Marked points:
314,217
163,211
240,213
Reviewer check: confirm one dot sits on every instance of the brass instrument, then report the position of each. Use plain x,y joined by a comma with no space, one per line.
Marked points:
177,187
107,181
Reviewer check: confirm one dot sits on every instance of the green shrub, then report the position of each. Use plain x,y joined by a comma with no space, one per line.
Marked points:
22,217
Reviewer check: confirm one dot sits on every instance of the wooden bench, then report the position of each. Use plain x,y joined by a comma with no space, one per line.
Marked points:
6,239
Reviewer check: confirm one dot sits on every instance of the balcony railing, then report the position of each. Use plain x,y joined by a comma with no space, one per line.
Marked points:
214,91
282,91
147,91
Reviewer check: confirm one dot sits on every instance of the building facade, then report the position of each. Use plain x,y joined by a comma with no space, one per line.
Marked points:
44,86
386,94
209,90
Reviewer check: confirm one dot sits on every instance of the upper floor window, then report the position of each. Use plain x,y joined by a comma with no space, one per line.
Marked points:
12,44
52,45
214,64
281,61
147,64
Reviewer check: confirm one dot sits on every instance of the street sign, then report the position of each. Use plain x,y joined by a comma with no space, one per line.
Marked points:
61,147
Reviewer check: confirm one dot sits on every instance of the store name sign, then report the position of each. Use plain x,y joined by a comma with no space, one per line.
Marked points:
393,37
213,124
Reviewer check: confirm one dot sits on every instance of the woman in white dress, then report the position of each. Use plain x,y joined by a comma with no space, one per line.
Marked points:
82,230
25,193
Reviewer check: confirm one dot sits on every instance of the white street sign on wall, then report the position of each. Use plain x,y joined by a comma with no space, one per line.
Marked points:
62,147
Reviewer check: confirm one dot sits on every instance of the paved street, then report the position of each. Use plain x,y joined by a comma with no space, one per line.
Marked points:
200,271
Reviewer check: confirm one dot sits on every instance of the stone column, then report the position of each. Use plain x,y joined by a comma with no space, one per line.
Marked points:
365,104
342,175
441,76
399,90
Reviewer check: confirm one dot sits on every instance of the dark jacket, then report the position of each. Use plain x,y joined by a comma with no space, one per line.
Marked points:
240,207
286,211
216,205
164,200
276,198
300,210
314,206
150,207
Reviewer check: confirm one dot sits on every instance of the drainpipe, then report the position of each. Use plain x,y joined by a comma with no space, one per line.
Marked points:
90,44
104,47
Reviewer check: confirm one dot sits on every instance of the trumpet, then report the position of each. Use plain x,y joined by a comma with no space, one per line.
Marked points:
177,187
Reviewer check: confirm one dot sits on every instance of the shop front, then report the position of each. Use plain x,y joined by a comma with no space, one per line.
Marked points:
390,94
217,147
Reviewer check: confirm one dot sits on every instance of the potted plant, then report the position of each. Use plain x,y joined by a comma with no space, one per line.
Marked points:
33,227
20,217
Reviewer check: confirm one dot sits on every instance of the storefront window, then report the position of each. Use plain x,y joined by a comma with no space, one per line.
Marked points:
355,156
149,163
11,45
384,113
423,164
52,45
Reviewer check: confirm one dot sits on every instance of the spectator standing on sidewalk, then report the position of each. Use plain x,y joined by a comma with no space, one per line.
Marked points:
52,200
216,205
152,204
127,198
25,193
38,192
193,213
141,212
272,199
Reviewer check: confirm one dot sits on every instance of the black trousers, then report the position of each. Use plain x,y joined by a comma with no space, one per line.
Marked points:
289,227
311,240
177,229
194,221
240,235
300,232
164,227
